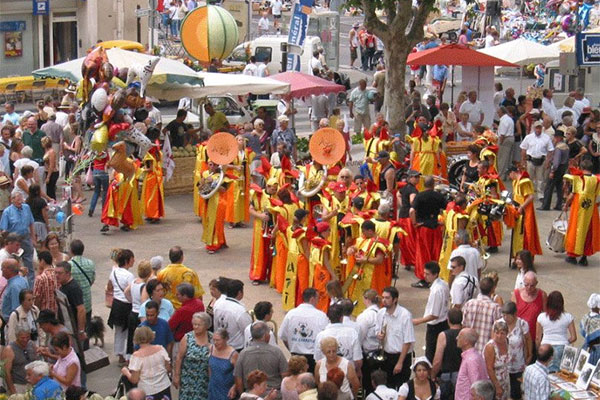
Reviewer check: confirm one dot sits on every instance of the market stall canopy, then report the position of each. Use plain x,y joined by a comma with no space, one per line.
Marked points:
303,85
455,54
171,79
216,84
522,52
568,45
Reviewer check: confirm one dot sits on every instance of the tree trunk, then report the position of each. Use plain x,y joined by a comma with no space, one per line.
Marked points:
396,52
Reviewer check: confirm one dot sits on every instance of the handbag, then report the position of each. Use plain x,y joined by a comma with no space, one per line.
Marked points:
89,177
108,296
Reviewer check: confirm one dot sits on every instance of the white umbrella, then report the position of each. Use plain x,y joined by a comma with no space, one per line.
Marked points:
171,79
522,52
216,84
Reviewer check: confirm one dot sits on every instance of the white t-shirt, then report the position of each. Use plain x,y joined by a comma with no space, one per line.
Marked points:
250,69
347,338
437,303
506,126
555,333
263,24
489,41
465,128
314,63
120,279
473,109
262,70
153,374
403,391
367,322
300,328
383,392
232,316
399,329
248,336
473,259
464,288
537,146
276,6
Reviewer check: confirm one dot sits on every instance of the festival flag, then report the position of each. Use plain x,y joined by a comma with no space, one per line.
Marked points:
168,162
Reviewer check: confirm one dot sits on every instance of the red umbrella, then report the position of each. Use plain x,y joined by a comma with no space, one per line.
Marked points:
455,54
303,85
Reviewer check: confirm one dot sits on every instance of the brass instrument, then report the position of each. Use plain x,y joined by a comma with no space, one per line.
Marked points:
308,188
380,357
207,187
484,254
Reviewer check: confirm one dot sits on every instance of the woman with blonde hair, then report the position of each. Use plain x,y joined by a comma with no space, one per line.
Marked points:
493,275
297,365
497,357
149,367
350,385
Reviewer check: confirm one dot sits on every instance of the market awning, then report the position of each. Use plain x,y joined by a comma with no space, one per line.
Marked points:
522,52
568,45
455,54
216,84
171,79
303,85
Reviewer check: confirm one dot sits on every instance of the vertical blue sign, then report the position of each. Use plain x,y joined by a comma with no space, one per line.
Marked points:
41,7
298,27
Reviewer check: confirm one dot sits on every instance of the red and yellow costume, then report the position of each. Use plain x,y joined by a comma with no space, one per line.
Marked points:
238,192
298,271
525,231
425,154
213,221
387,231
152,187
260,257
454,218
201,166
122,202
320,249
279,264
583,231
490,231
331,203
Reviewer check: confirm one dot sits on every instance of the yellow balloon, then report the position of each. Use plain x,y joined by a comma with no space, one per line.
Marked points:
100,138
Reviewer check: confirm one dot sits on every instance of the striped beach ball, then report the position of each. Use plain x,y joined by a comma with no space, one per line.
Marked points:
209,32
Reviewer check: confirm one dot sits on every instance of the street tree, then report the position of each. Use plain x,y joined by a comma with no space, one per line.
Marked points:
400,29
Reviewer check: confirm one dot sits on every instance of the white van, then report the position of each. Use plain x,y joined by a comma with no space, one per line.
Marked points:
269,46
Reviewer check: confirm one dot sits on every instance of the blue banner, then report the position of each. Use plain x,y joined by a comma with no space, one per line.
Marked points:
587,49
12,26
41,7
298,27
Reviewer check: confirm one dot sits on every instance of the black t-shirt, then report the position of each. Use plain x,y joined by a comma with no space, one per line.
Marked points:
405,193
428,205
74,294
176,133
574,148
37,205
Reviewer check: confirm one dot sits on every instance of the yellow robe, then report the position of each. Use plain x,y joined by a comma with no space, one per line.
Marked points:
294,259
319,275
451,220
583,231
425,155
213,221
122,202
334,236
201,166
238,193
260,255
153,196
279,263
369,247
525,233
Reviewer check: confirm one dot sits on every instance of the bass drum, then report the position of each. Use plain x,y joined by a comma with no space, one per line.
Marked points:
456,168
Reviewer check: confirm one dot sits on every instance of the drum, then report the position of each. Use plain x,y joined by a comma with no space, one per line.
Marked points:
456,166
556,237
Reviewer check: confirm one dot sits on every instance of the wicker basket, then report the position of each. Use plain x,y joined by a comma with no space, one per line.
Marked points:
182,181
456,148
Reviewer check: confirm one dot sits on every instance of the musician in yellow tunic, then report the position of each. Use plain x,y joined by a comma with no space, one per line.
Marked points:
487,188
368,255
238,192
213,221
285,209
200,167
525,231
389,232
366,190
153,196
336,204
297,271
583,231
320,264
424,153
455,218
122,203
260,258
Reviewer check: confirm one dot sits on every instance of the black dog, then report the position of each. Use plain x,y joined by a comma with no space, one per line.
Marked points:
96,330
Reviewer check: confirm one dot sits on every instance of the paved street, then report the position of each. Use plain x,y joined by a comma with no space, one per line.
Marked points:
181,227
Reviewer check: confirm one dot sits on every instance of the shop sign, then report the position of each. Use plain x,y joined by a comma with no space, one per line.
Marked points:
12,26
41,7
587,48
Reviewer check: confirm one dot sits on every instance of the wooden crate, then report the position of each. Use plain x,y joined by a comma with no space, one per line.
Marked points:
182,181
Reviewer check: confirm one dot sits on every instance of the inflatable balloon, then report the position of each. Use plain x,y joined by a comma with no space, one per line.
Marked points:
115,129
106,72
60,217
209,32
143,73
99,138
120,162
90,68
133,99
77,209
99,100
137,137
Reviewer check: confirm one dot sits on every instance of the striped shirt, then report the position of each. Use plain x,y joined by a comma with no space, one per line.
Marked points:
536,385
44,288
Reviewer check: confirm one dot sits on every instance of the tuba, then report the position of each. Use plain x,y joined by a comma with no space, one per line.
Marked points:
309,188
221,148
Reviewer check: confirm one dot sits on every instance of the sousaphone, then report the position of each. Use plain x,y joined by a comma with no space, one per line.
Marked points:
326,146
222,148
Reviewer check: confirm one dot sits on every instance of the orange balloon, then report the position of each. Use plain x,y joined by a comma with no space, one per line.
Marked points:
77,209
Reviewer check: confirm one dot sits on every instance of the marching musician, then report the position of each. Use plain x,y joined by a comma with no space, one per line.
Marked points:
213,221
297,272
200,166
424,212
455,218
152,187
583,230
367,255
260,259
320,264
525,231
122,203
336,204
487,187
388,231
238,192
365,189
425,151
405,198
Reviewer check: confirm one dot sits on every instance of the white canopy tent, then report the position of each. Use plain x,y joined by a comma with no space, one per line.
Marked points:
522,52
216,84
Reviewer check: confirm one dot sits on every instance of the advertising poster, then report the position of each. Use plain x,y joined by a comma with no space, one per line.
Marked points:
13,44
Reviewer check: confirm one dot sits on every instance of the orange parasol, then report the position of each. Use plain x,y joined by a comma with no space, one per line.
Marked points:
327,146
222,148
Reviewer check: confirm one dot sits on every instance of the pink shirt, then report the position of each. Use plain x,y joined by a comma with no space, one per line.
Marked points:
472,369
61,365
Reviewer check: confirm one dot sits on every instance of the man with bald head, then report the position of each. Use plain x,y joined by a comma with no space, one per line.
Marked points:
32,137
136,394
17,218
530,301
16,283
472,366
307,387
536,385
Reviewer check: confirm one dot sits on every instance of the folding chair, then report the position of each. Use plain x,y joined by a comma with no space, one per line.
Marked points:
38,89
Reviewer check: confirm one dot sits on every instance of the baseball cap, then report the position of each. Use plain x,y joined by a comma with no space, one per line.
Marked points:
537,123
383,154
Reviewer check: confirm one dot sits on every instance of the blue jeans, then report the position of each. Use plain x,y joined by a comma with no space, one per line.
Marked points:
175,24
100,186
555,364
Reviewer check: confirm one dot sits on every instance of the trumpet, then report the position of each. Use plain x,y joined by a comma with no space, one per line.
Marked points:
380,357
484,254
